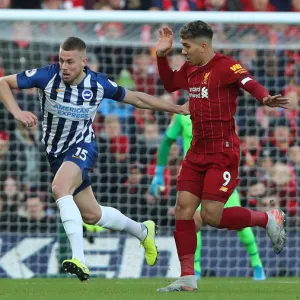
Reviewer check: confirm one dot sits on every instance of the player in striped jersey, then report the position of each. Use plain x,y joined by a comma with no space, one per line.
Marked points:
70,94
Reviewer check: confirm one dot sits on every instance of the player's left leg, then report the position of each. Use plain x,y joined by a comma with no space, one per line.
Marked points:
247,237
111,218
218,186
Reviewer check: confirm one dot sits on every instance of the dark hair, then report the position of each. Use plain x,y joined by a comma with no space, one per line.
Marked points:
196,29
35,193
73,43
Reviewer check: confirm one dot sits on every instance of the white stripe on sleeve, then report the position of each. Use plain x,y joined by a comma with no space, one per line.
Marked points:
245,80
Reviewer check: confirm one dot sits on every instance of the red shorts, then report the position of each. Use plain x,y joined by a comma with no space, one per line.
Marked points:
209,176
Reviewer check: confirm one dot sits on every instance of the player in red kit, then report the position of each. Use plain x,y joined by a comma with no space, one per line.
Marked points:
209,172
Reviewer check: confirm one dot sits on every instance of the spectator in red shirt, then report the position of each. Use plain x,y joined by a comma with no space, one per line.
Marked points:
251,147
294,156
283,182
259,5
181,5
118,143
215,5
107,29
75,4
133,194
281,139
144,72
292,113
265,115
113,166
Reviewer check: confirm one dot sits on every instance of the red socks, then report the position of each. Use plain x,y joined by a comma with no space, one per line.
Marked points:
186,243
235,218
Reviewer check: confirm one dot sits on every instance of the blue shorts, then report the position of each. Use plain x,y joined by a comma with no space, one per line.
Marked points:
84,155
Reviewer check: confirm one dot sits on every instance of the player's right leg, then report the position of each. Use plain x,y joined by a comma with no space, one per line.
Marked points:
186,242
189,191
67,179
110,218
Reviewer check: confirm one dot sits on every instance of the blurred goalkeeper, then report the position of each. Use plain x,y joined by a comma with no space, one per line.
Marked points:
209,171
70,94
182,125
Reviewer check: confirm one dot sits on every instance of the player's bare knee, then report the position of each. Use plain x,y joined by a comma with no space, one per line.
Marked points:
59,190
183,212
211,218
91,217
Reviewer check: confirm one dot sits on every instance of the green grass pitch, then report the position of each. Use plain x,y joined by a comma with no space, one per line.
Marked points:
145,289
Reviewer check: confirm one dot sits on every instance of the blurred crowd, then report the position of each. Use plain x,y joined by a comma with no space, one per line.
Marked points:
128,138
179,5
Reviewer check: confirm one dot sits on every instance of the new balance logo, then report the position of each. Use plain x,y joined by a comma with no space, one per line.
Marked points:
223,189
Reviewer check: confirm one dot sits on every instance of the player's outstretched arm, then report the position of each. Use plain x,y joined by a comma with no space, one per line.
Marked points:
261,94
146,101
6,84
172,80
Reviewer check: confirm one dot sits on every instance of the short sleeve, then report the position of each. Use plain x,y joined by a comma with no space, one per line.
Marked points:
175,128
111,89
36,78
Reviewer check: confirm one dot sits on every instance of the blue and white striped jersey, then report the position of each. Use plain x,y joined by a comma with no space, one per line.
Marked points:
68,111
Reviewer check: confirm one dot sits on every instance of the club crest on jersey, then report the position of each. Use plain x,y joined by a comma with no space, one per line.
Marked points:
87,95
205,78
30,73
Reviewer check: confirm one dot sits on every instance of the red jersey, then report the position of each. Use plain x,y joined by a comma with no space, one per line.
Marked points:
213,90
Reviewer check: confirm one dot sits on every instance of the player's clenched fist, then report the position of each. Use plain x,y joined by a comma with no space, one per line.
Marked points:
27,118
165,41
